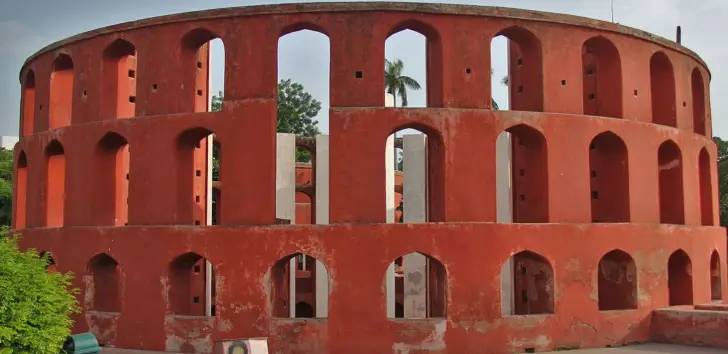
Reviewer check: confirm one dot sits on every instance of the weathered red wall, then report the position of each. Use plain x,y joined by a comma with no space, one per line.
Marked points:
73,195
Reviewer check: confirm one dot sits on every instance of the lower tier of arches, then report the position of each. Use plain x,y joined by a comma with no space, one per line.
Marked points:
579,284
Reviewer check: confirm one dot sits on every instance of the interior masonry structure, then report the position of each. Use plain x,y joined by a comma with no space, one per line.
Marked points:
584,216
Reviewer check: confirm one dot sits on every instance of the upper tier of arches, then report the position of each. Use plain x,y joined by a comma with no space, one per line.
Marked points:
561,64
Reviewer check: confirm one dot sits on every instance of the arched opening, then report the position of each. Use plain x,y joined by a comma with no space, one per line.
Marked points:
55,183
520,54
21,190
304,209
617,281
609,175
216,190
716,280
193,150
304,310
118,85
698,90
422,172
28,103
522,175
410,51
680,278
50,262
112,153
104,283
602,80
706,188
417,285
300,287
191,286
527,285
196,49
61,99
662,85
669,159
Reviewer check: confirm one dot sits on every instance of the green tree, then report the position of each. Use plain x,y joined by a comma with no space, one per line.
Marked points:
35,305
6,186
395,83
296,112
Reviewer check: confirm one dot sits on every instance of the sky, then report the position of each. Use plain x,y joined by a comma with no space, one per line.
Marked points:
28,25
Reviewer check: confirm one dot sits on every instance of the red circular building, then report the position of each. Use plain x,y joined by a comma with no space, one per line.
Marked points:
614,182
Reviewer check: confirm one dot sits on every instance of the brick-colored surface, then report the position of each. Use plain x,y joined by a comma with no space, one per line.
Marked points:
614,181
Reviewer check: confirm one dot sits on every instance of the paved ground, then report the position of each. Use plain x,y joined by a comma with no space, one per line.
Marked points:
637,349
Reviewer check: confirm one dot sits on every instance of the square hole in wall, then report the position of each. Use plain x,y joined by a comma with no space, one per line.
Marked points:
132,74
155,87
592,146
197,269
684,104
593,173
635,92
199,65
132,99
196,299
592,96
522,172
199,92
563,83
40,107
467,71
126,224
595,195
522,197
359,74
589,71
84,94
198,173
519,62
197,222
520,88
127,176
197,199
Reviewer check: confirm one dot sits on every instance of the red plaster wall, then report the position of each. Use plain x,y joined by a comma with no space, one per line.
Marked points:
74,191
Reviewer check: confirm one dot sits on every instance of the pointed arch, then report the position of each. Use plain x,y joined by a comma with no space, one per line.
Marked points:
533,284
104,283
55,183
706,188
662,88
112,189
525,69
192,154
118,80
21,190
670,167
417,284
61,95
196,58
716,278
680,278
190,277
529,174
617,281
299,278
609,177
698,93
28,104
602,80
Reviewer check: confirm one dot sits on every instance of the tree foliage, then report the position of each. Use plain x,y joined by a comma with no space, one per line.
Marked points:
396,83
296,112
35,305
722,179
6,186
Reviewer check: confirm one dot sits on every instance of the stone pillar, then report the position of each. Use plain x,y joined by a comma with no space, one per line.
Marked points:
322,218
389,183
415,265
504,200
286,199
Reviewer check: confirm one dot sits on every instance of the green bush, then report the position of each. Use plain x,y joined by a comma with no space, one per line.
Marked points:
35,305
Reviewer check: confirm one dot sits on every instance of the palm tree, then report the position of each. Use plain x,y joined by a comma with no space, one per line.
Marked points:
397,84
